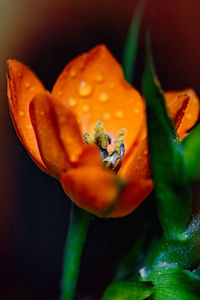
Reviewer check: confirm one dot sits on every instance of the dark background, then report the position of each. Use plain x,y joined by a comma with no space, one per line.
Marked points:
34,211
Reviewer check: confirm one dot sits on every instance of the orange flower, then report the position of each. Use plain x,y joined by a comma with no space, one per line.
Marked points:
69,132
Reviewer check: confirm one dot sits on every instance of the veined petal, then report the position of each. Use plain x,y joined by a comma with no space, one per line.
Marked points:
174,100
94,86
91,188
46,129
22,86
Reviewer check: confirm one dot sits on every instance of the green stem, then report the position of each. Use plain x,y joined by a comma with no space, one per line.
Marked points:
77,232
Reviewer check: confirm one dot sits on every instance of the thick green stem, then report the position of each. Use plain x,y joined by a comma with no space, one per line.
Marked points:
78,228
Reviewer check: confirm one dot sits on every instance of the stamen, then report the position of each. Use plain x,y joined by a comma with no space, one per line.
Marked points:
113,159
119,140
86,138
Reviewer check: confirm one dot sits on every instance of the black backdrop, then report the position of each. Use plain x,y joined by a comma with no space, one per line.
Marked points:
34,210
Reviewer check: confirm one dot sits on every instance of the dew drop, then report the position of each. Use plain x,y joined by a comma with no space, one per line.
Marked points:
32,89
29,126
82,65
60,93
111,85
21,113
106,116
103,97
119,114
85,108
136,110
99,77
72,73
72,101
84,89
27,85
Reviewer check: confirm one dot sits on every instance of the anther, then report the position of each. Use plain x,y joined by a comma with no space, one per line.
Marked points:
86,138
112,159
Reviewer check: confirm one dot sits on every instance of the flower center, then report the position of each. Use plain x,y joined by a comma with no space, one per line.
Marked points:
111,159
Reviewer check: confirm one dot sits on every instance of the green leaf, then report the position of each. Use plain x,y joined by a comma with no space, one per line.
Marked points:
128,290
191,148
166,158
131,45
172,283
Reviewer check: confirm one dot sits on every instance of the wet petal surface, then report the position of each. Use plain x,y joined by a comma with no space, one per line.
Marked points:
22,86
91,188
94,86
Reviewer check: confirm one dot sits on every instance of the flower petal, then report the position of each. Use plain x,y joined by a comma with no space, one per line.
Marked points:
137,167
91,188
134,193
44,123
68,129
94,86
174,101
90,156
21,87
181,112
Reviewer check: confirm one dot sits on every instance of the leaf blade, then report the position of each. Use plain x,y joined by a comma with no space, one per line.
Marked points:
166,157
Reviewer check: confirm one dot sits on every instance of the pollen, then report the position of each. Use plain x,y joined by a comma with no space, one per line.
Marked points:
113,159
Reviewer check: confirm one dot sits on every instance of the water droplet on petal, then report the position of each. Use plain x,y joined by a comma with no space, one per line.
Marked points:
145,152
72,101
111,85
99,77
103,97
41,113
32,89
119,114
82,65
60,93
136,110
21,113
84,89
72,73
85,108
106,116
27,85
